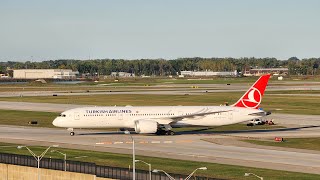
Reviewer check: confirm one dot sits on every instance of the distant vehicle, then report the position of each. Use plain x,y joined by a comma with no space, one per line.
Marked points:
256,122
270,122
161,119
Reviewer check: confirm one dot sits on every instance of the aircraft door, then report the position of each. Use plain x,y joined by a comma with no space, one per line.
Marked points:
76,116
230,115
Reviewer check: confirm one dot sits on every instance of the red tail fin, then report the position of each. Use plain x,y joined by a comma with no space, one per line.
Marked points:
253,97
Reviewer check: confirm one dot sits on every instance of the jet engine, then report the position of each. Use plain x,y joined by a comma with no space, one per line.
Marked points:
145,126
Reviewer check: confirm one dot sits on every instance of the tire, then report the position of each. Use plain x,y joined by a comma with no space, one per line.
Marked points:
72,133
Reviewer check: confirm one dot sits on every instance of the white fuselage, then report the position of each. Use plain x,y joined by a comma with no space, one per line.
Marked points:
125,117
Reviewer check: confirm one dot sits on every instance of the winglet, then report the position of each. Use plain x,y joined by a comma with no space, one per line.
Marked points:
253,97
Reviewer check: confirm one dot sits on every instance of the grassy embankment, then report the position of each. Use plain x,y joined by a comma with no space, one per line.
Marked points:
21,118
169,165
299,143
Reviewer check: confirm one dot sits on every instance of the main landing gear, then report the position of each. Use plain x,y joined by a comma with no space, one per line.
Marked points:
165,130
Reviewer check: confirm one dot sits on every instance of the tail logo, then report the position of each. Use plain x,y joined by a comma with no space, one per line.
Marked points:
252,99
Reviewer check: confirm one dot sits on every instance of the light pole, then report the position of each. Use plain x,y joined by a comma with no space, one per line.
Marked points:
146,164
158,170
65,158
37,158
248,174
201,168
133,156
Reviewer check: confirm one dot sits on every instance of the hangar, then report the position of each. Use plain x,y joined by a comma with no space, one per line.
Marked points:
44,74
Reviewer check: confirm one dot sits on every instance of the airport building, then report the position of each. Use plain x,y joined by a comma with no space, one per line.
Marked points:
261,71
122,74
44,74
208,73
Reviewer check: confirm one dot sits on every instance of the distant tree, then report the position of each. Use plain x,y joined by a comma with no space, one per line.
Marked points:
2,69
164,67
293,59
315,67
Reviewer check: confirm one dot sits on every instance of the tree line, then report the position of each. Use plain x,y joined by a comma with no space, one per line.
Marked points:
162,67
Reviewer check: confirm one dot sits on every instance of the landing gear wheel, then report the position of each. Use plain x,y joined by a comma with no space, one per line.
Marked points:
171,133
72,133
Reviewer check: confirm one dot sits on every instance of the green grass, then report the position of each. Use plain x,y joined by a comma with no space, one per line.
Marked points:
209,80
169,165
21,118
280,104
299,143
294,92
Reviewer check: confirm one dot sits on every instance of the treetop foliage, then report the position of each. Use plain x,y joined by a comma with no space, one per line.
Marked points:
162,67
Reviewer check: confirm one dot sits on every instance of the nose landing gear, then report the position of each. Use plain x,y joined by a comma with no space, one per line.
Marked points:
72,132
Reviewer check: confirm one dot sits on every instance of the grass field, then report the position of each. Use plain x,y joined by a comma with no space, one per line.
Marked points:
294,92
122,82
169,165
299,143
280,104
21,118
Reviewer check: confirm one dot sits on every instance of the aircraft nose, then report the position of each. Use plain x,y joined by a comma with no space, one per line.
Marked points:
55,122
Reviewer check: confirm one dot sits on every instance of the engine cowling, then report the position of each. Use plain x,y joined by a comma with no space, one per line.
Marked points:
145,126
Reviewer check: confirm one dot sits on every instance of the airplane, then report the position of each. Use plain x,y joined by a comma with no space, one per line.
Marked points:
161,119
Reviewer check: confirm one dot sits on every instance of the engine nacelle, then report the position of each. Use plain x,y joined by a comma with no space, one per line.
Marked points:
145,126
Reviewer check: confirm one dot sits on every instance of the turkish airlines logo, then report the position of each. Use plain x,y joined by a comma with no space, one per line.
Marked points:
252,99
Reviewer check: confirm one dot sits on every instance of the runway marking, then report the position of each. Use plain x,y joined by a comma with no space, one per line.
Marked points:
184,141
192,155
118,143
145,142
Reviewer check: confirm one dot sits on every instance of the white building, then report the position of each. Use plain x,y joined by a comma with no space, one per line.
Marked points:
261,71
44,74
208,73
122,74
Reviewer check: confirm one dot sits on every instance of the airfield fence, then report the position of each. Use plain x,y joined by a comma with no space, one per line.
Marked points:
89,168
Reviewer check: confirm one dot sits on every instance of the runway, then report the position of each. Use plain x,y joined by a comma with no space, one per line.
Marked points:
181,146
172,89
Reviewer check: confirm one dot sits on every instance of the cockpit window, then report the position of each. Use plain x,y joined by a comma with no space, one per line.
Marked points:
62,115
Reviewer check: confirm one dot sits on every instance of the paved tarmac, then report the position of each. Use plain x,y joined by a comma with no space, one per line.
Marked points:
174,89
45,107
182,146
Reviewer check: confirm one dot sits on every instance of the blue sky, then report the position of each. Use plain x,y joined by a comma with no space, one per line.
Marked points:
132,29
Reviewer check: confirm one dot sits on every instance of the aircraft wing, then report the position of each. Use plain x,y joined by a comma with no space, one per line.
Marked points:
174,119
194,115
